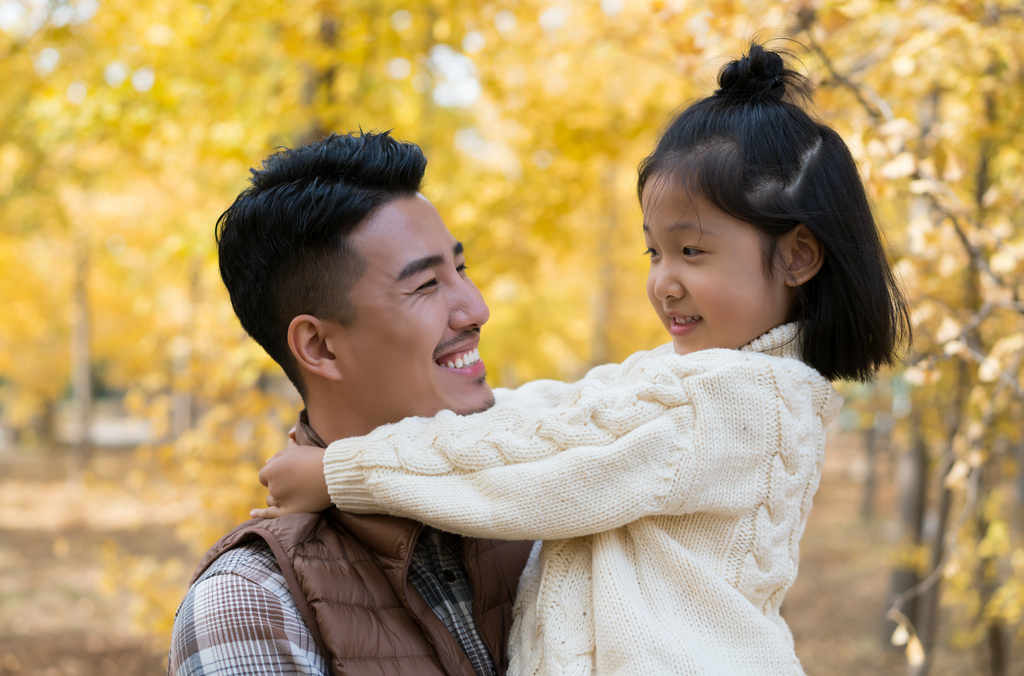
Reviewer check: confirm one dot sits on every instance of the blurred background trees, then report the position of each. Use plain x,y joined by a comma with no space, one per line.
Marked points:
128,128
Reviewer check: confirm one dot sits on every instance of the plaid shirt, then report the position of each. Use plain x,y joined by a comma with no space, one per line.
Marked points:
239,617
437,574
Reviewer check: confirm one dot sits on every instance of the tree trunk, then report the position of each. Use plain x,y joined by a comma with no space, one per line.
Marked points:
928,603
48,426
182,376
603,298
996,649
319,89
988,573
912,484
81,371
867,505
988,582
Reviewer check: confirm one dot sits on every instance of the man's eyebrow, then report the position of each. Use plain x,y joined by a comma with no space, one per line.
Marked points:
419,265
427,262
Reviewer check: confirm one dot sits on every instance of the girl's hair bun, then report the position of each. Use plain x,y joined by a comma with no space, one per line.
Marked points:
760,75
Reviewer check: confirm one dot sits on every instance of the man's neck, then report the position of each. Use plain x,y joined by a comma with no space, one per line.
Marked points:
331,424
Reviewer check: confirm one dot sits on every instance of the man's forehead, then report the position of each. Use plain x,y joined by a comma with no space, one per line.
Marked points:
403,231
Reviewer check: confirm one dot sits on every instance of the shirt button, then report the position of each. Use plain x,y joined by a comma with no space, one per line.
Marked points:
449,575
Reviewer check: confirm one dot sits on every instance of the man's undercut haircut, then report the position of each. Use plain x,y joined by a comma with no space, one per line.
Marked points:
284,244
752,151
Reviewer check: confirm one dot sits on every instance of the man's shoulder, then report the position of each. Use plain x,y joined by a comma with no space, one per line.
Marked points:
254,561
285,531
239,617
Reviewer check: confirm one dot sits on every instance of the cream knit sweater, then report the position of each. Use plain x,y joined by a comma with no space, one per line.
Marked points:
670,493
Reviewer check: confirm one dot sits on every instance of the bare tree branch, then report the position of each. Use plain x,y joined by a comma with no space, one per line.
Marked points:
977,259
878,109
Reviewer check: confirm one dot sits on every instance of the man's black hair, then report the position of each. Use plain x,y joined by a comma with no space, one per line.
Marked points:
755,154
284,244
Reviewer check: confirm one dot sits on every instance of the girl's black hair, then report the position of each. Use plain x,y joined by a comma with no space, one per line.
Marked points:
752,152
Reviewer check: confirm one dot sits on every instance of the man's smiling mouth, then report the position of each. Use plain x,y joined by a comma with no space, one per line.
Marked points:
459,360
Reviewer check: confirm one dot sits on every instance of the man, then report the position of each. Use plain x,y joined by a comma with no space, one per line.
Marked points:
348,278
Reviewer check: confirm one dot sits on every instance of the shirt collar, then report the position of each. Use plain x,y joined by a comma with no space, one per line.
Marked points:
305,435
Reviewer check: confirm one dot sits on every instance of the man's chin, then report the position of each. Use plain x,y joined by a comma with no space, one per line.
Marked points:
482,405
489,402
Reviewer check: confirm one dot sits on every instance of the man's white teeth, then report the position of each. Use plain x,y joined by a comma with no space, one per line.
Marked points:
468,359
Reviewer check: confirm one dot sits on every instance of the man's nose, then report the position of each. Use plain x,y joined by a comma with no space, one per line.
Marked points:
468,307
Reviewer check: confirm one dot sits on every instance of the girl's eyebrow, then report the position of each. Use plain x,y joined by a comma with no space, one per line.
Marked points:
687,226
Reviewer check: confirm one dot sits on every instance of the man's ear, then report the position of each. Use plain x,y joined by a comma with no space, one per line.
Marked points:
802,255
315,344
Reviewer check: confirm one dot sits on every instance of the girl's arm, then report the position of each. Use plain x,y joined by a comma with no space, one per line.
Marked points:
294,477
672,436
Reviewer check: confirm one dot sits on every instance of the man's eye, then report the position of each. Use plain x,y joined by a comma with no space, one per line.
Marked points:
462,268
426,285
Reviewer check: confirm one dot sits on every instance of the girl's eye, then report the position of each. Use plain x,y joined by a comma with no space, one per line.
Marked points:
690,251
650,252
427,285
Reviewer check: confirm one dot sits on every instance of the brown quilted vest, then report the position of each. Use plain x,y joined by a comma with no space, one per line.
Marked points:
348,574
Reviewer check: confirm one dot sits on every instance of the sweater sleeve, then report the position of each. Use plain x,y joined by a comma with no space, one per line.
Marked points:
669,435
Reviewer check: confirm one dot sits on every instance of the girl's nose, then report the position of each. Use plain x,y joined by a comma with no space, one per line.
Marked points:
668,287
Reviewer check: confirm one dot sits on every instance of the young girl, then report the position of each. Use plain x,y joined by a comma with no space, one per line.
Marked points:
671,491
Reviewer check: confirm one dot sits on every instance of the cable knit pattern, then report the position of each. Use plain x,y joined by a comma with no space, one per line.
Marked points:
670,493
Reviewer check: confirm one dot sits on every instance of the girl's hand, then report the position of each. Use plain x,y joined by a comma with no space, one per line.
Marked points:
295,479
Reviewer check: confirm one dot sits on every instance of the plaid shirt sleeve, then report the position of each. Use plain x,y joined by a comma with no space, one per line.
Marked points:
239,618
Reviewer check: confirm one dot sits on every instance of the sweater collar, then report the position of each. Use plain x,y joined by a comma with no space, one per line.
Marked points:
782,341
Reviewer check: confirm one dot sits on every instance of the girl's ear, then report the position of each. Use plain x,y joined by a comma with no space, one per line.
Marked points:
316,345
802,255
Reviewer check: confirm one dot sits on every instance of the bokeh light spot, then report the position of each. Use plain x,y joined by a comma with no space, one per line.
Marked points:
398,68
505,21
143,79
47,61
115,74
473,42
76,92
401,20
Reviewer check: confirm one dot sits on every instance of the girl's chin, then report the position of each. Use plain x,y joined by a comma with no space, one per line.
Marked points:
685,345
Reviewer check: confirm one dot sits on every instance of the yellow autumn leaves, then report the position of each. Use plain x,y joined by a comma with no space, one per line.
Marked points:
128,128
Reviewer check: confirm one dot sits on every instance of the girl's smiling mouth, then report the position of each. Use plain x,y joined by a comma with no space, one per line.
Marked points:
682,324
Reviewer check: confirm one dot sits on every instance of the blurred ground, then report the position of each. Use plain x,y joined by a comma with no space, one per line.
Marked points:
59,615
835,607
56,619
